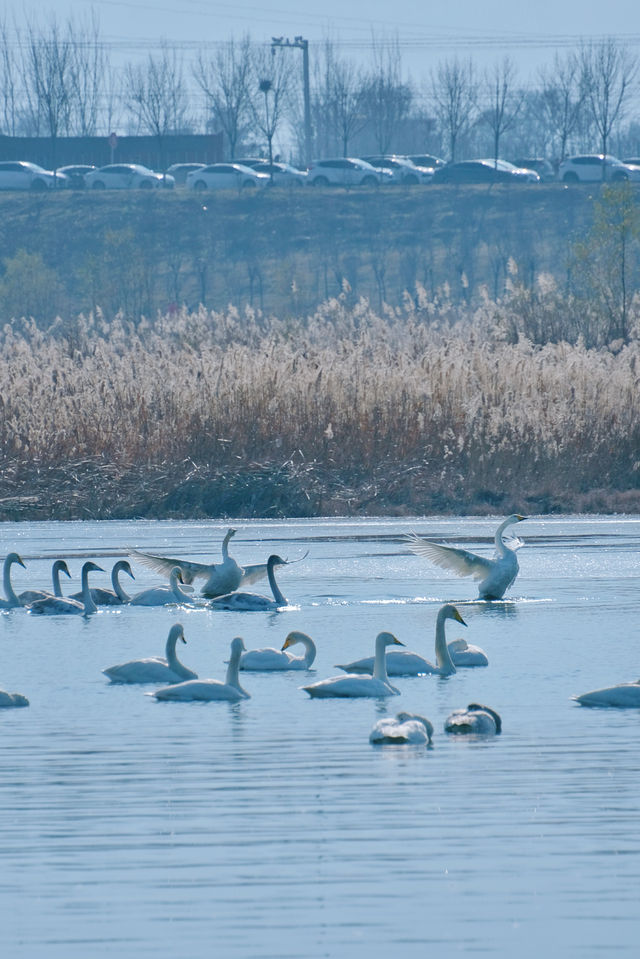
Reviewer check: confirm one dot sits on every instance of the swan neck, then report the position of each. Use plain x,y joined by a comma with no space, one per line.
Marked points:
87,598
380,662
443,656
500,546
275,589
117,588
8,588
177,590
55,575
233,669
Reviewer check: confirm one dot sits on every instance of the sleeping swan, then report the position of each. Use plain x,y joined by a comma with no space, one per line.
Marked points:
162,595
475,720
270,660
355,685
405,663
495,575
622,696
208,690
254,601
9,700
406,728
156,670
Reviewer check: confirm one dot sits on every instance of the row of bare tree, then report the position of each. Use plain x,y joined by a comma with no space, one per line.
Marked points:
57,80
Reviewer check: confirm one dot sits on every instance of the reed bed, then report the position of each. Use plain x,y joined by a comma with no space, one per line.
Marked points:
409,410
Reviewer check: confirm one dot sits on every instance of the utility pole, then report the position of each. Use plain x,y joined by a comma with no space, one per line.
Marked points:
299,43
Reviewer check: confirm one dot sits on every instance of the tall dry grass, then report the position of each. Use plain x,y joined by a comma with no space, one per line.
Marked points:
418,408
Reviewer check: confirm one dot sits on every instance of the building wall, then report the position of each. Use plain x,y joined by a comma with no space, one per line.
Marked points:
150,151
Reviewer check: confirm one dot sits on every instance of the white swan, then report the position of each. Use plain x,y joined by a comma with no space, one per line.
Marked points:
622,696
12,601
221,578
268,660
494,575
405,663
475,720
162,595
207,690
8,700
155,670
254,601
353,684
60,605
405,728
115,596
29,596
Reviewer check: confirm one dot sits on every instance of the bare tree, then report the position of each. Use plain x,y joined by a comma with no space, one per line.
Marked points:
386,99
454,91
9,85
344,89
562,98
155,93
608,74
504,102
270,90
225,82
87,70
46,70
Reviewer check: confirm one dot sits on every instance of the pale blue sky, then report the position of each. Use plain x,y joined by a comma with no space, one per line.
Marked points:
485,29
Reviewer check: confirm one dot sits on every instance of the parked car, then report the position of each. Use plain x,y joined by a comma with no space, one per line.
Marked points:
402,169
22,175
544,168
484,171
179,171
226,176
590,167
631,161
427,160
76,174
127,176
281,174
345,171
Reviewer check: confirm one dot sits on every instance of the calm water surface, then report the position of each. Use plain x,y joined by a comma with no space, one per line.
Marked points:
271,828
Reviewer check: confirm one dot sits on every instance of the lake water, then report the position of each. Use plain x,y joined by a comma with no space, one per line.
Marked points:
272,828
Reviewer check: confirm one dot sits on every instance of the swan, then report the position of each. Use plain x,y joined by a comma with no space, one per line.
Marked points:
405,663
477,719
31,595
269,660
108,597
210,689
254,601
405,728
157,670
495,575
162,595
60,605
622,696
8,700
353,684
221,578
12,600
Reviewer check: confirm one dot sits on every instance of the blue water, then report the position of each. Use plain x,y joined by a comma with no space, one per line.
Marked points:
271,828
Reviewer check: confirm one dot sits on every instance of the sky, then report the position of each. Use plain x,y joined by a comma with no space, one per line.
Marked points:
487,30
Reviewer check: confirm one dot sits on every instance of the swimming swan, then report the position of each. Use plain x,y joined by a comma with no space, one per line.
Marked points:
254,601
353,684
207,690
475,720
405,663
270,660
8,700
60,605
221,578
622,696
406,728
12,601
31,595
495,575
162,595
116,596
156,670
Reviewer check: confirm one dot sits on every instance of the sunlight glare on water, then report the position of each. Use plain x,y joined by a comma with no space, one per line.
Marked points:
272,828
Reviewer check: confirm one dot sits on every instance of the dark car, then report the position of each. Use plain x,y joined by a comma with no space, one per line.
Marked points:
544,168
427,160
483,171
76,173
180,171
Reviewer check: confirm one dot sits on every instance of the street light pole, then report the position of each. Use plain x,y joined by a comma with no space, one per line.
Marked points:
299,43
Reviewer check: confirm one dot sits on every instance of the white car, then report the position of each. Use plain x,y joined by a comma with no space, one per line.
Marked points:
127,176
22,175
403,170
345,171
225,176
589,168
281,174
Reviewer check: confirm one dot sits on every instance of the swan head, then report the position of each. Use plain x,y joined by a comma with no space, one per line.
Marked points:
275,560
177,632
230,532
387,639
477,708
124,566
413,717
516,518
60,566
90,567
14,558
295,636
176,575
237,646
449,611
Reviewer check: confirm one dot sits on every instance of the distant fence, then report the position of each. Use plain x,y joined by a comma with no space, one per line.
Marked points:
150,151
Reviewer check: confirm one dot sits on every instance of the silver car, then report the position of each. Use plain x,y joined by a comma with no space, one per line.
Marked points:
127,176
22,175
346,171
225,176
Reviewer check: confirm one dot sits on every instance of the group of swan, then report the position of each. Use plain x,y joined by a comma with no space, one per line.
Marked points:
410,729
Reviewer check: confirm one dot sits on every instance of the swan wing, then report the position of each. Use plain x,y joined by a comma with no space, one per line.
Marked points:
460,561
164,565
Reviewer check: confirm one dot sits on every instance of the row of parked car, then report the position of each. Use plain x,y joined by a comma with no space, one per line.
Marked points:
254,172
